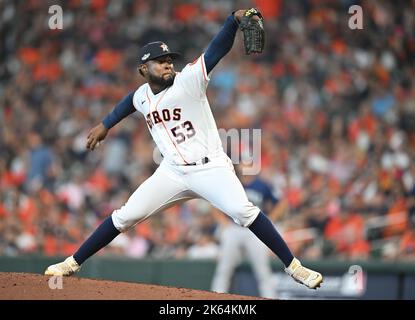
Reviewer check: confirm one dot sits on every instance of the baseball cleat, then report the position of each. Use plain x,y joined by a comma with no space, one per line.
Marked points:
303,275
65,268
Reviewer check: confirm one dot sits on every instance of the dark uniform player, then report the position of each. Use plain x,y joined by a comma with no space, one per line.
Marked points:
237,242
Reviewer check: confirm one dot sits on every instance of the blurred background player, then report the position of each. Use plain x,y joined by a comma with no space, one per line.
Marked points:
237,243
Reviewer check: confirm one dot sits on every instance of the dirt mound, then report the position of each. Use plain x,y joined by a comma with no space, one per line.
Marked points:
28,286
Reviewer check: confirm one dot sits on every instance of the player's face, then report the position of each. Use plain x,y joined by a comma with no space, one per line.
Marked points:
161,71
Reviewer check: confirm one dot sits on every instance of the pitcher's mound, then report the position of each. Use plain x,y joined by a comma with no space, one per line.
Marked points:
29,286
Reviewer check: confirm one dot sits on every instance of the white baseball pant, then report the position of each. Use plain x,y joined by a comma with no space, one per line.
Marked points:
170,184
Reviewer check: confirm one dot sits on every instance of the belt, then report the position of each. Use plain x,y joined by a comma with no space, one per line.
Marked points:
201,161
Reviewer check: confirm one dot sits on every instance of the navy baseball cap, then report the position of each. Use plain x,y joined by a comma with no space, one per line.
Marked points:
155,50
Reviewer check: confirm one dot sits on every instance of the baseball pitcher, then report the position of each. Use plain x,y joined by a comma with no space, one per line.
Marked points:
194,165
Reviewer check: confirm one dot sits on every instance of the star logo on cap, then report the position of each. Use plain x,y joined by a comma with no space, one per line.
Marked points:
164,47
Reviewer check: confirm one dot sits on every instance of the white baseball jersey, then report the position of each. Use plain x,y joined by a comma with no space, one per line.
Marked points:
182,125
179,117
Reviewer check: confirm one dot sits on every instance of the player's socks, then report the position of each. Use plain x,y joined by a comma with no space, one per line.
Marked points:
266,232
103,235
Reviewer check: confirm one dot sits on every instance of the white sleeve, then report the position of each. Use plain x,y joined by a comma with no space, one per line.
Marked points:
194,78
137,99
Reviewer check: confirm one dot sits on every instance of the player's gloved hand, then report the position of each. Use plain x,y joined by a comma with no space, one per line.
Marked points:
252,27
95,136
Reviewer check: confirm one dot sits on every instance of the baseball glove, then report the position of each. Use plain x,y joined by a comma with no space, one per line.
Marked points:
253,31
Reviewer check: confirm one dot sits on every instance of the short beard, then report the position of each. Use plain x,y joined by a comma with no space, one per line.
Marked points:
160,81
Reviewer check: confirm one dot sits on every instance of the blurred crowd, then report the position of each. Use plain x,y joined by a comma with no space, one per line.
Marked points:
336,107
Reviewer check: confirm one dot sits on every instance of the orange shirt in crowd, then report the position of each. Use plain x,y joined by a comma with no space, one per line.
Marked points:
347,233
269,8
107,60
50,246
49,71
359,249
29,56
407,243
185,12
397,218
